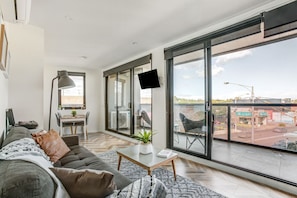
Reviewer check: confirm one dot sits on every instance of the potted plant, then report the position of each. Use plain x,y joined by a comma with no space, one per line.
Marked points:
73,112
145,136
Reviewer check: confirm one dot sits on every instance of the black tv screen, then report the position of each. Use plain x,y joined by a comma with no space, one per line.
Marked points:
149,79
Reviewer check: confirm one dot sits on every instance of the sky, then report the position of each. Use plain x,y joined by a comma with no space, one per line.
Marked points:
270,69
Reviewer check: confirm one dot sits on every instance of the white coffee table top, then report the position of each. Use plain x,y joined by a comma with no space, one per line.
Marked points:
147,160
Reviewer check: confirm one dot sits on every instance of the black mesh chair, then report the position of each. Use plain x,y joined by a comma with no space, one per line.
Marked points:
193,129
146,121
65,124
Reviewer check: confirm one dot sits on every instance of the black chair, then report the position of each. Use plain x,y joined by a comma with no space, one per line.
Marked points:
193,129
145,119
10,121
65,124
81,123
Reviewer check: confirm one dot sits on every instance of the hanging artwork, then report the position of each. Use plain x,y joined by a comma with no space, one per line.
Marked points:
3,48
6,72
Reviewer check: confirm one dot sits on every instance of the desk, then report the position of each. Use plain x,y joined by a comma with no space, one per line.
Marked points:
70,118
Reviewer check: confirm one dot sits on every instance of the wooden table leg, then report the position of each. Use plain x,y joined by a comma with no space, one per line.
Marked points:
119,163
173,167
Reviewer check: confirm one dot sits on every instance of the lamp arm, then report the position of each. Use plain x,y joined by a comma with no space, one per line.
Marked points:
51,99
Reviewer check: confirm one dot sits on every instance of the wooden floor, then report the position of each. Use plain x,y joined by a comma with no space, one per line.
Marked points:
221,182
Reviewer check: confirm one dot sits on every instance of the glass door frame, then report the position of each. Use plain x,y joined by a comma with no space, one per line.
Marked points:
115,71
208,104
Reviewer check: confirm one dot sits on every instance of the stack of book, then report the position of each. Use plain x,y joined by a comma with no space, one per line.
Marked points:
164,153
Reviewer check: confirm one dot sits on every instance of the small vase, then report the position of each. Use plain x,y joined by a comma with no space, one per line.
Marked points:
146,148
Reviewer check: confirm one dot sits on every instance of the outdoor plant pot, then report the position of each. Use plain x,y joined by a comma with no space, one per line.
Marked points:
146,148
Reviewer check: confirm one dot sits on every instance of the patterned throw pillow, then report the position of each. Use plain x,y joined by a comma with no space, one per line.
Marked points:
52,144
148,186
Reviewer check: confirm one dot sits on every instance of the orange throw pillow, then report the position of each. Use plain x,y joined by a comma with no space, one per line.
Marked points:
52,144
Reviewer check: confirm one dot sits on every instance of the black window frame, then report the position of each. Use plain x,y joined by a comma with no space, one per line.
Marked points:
82,74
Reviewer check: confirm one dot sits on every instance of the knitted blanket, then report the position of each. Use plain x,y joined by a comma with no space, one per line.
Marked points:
26,149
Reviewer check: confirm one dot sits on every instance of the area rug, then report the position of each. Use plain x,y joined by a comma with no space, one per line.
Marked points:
182,187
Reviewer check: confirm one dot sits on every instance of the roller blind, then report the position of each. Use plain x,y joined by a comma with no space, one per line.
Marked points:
141,61
236,31
280,20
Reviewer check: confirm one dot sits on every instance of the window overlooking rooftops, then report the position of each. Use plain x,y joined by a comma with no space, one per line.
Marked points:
74,98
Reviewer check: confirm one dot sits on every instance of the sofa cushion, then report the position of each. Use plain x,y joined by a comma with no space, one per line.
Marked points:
24,179
16,133
81,158
85,183
52,144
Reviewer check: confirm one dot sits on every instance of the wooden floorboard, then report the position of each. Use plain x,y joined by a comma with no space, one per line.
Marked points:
221,182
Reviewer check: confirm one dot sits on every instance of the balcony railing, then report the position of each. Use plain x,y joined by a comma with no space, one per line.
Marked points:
267,125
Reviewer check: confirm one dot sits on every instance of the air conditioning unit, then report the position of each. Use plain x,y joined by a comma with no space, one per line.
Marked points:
22,11
123,120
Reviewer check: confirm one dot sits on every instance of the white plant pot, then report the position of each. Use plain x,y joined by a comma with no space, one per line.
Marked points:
146,148
136,149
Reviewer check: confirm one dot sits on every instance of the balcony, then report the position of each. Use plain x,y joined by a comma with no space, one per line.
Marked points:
267,147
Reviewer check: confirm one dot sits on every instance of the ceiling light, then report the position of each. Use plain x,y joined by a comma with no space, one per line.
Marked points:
68,18
22,11
83,57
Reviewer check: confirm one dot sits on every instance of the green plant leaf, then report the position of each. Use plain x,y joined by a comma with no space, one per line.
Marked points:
144,136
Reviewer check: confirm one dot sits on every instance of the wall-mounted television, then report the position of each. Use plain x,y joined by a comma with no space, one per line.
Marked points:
149,79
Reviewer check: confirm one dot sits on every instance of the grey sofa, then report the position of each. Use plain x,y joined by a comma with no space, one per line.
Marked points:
25,179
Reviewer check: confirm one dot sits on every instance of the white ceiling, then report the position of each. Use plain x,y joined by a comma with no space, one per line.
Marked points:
100,33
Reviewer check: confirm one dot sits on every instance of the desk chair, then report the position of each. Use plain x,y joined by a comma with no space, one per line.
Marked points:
65,124
193,129
82,124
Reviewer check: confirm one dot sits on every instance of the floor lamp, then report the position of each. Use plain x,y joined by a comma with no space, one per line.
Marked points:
64,82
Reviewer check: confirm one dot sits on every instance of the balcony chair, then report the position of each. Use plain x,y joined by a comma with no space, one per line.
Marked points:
193,129
145,119
65,124
81,123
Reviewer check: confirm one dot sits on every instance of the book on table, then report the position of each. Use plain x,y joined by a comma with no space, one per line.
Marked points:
164,153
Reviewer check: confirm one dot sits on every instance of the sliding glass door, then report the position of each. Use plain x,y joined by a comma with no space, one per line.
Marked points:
142,102
190,125
112,87
129,108
119,104
124,102
233,100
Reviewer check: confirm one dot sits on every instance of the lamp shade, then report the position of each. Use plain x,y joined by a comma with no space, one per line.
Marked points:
64,81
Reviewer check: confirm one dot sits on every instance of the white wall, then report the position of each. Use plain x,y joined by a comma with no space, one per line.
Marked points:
92,97
3,101
3,96
25,88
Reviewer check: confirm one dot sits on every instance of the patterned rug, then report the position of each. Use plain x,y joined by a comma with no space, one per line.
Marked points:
182,187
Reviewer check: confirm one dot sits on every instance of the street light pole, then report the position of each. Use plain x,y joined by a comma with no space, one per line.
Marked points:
253,109
251,89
